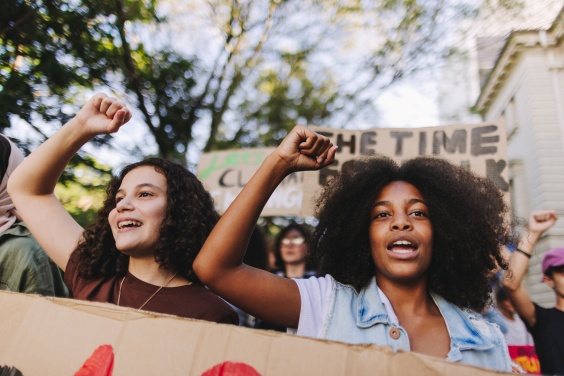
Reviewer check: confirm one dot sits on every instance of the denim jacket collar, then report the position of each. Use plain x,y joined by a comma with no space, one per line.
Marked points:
463,330
370,309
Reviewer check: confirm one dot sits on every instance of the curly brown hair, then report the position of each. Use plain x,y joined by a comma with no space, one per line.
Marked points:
468,214
190,217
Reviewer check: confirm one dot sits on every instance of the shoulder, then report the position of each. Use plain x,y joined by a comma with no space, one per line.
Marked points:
482,323
213,308
20,243
488,330
539,308
547,313
476,340
468,323
316,284
309,274
316,295
19,234
71,272
202,293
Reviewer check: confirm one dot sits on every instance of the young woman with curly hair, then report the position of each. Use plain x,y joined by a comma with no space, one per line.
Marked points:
139,250
406,253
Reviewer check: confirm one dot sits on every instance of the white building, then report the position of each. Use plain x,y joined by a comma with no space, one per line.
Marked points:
479,41
526,87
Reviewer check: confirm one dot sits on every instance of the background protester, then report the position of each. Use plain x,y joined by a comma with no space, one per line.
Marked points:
392,244
515,333
291,247
291,250
519,341
24,266
545,324
139,250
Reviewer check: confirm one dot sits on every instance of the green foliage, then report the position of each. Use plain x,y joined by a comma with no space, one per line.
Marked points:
47,47
165,92
83,194
260,66
284,97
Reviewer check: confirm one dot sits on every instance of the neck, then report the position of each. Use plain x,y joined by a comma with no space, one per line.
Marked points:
295,270
150,272
559,303
410,299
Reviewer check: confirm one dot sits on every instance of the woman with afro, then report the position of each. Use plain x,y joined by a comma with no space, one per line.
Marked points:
405,254
139,251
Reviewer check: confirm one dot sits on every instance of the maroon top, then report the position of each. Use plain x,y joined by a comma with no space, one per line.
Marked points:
192,301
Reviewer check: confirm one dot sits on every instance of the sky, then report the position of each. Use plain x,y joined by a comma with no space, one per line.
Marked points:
406,105
410,103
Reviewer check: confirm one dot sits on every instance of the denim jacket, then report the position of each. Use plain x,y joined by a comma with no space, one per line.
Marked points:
361,318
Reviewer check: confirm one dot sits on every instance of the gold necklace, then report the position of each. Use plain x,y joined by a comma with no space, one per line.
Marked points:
150,297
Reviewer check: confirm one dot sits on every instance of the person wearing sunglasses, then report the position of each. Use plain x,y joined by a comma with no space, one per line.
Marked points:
290,249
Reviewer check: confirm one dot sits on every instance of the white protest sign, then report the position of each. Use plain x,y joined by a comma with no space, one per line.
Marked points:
225,173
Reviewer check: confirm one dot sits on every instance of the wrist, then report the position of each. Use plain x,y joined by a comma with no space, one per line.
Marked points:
74,134
526,254
78,130
278,165
533,236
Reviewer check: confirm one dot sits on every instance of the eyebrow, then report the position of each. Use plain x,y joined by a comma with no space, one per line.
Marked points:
410,202
143,185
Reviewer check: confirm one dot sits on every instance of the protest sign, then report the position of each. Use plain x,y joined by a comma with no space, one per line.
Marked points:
54,336
225,173
481,148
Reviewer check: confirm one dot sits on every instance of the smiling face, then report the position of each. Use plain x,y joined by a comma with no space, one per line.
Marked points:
401,234
140,208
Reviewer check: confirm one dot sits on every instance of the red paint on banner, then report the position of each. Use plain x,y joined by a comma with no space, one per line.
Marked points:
231,369
100,363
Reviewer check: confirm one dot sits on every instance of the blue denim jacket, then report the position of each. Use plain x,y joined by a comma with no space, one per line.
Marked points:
361,318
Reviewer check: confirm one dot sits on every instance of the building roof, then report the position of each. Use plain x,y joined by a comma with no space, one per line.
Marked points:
516,43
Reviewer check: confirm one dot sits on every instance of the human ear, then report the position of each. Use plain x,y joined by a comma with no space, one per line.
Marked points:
548,281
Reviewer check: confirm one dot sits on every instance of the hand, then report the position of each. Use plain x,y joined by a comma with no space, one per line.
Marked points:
303,149
103,114
542,220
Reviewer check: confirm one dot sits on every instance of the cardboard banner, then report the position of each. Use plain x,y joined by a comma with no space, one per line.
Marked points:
225,173
56,337
479,147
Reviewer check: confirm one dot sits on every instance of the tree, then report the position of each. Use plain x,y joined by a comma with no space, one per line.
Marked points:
83,195
51,51
211,74
262,66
